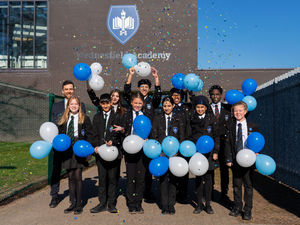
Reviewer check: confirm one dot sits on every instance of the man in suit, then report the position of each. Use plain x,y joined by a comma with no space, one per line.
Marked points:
57,111
103,126
222,115
239,130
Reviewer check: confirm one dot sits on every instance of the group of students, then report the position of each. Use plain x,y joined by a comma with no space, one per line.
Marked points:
226,124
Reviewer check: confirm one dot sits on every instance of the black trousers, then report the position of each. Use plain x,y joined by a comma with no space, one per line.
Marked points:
135,185
242,175
56,171
204,183
168,188
224,169
148,179
108,173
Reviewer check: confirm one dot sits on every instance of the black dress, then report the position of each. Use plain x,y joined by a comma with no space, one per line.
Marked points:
85,132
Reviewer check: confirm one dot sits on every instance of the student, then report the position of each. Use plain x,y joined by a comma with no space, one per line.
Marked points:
77,126
222,115
135,163
103,126
152,102
57,111
183,110
203,123
168,124
239,130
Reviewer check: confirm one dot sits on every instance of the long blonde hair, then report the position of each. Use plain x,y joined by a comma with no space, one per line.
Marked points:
65,116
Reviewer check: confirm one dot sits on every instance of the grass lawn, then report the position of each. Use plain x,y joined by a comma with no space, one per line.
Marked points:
18,168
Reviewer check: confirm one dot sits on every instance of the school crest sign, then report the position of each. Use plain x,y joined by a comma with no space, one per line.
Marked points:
123,22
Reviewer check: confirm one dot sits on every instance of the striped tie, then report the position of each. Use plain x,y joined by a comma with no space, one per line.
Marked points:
217,112
70,132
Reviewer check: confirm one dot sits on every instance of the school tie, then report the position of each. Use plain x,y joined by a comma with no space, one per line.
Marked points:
239,142
137,114
70,132
217,112
169,125
105,118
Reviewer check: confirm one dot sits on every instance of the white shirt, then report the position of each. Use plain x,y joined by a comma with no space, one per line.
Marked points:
76,116
202,117
213,107
133,117
244,130
166,117
115,107
66,102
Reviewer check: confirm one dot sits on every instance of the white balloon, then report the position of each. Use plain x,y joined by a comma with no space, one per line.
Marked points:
96,82
96,68
143,69
246,157
178,166
108,153
48,131
198,164
133,144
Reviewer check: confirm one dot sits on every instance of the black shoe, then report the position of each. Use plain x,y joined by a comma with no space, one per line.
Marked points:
98,208
164,212
54,202
172,210
70,209
198,210
140,210
78,210
112,210
247,215
209,209
132,210
235,212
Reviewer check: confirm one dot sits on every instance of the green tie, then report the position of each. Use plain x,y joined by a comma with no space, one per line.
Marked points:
70,132
105,118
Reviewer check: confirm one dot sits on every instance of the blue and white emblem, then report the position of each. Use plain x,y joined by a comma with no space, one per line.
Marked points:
82,132
148,106
209,128
226,117
123,22
175,130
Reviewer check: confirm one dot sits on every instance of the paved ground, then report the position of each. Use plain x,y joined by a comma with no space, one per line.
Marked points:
273,204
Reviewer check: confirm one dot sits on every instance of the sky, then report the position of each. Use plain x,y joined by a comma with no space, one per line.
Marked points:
241,34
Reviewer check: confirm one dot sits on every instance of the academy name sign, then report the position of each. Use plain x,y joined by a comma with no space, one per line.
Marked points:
123,22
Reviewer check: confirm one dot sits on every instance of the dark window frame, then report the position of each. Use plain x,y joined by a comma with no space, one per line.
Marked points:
32,69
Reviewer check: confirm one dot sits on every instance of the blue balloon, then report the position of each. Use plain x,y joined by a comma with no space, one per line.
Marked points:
177,80
205,144
191,81
265,164
251,102
255,141
61,142
199,87
129,60
187,148
82,71
142,126
234,96
170,146
249,86
152,148
40,149
83,148
159,166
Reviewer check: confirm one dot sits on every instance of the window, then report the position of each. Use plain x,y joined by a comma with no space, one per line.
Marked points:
23,34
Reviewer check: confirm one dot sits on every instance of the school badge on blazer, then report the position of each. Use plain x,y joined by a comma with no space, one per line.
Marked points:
111,129
123,22
209,129
82,132
175,130
226,117
148,106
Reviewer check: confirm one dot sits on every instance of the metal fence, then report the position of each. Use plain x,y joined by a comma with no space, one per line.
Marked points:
278,117
22,112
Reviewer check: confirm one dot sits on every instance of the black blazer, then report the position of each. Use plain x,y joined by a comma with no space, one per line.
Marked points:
224,119
151,102
58,109
98,127
159,127
230,147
